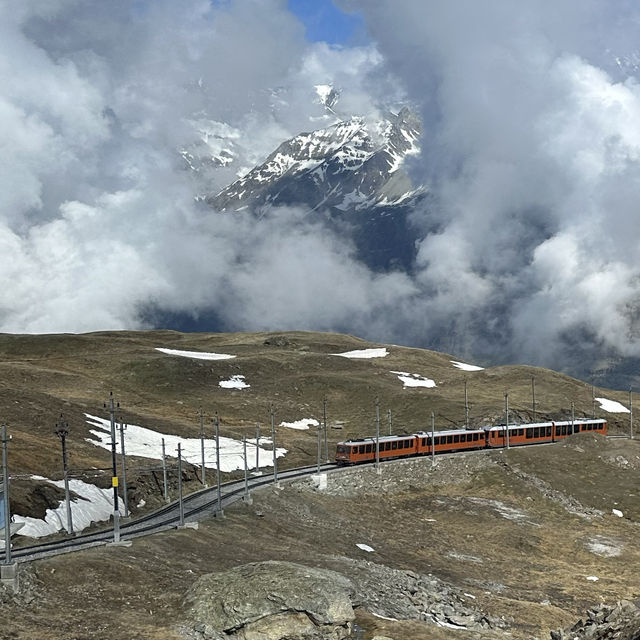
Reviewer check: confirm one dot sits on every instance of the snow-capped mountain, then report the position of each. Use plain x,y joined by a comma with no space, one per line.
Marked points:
353,165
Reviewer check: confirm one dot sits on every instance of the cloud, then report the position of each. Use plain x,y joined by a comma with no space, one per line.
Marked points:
532,153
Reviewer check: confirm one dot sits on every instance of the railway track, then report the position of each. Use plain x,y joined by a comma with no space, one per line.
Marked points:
196,506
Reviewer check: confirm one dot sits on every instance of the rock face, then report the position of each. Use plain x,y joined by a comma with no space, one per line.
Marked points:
621,622
271,601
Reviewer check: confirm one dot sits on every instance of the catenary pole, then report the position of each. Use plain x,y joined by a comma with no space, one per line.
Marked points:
114,478
377,435
180,503
533,396
630,414
125,497
246,467
593,400
319,446
62,431
433,439
218,473
573,418
164,473
506,411
466,405
5,484
203,477
257,447
324,426
390,418
273,440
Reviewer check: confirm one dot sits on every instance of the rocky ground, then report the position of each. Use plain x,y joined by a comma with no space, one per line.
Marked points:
510,544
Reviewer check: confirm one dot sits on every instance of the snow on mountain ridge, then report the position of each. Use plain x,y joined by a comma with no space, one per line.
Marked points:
349,165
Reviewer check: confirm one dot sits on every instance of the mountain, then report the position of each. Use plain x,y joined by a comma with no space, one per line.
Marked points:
352,172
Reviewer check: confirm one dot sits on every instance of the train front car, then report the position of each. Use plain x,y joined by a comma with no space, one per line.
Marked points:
569,427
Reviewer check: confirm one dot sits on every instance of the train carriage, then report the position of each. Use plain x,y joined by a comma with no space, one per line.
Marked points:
452,440
364,450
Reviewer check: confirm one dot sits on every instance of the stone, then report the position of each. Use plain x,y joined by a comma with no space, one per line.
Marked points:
272,601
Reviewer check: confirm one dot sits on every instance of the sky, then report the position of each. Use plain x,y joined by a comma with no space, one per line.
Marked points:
527,245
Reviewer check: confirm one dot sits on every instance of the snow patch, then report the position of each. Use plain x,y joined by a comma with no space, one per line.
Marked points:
414,380
198,355
466,367
603,546
147,443
234,382
364,353
617,512
612,406
92,505
303,424
593,578
365,547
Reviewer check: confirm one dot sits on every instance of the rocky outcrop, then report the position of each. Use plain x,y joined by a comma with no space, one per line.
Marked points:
621,622
271,601
405,595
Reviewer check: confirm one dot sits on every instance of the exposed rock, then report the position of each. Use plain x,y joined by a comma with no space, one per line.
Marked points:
621,622
271,601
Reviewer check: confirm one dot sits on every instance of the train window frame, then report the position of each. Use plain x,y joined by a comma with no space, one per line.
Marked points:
456,439
449,439
394,445
369,448
529,434
424,442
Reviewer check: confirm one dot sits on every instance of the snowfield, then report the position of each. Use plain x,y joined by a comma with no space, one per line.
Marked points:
305,423
466,367
364,353
92,505
414,380
147,443
198,355
612,406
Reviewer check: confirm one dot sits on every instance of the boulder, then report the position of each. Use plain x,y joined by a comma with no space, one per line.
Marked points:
271,601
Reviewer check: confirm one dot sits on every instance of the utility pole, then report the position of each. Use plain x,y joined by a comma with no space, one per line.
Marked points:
630,414
377,435
533,395
573,418
273,440
319,446
433,440
5,483
218,473
125,497
257,447
180,504
466,406
593,400
506,411
114,478
202,468
62,431
390,421
164,473
246,468
324,423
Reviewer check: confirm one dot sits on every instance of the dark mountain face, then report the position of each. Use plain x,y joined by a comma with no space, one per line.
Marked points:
352,175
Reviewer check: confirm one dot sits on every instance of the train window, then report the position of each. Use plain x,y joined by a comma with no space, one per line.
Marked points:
369,448
361,449
427,442
424,442
394,445
548,431
456,438
475,437
449,439
529,434
407,444
437,440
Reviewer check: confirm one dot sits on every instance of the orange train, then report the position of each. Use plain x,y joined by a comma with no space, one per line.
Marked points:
421,444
